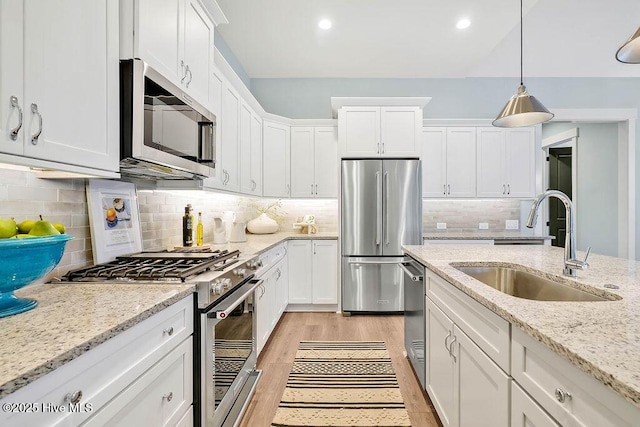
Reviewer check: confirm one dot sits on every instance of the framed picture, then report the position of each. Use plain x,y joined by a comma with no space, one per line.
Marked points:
114,219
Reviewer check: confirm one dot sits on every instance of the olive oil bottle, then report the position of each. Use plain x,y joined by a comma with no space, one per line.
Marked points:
199,231
187,227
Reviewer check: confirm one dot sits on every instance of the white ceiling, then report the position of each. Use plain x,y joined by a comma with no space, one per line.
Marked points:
418,38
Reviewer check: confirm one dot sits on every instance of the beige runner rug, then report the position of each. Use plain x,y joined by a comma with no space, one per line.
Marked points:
342,383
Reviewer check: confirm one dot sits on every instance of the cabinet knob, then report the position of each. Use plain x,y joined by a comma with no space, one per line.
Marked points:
73,397
562,395
168,331
168,396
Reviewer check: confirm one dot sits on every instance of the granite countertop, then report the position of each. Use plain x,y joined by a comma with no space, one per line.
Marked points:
71,319
600,338
484,235
258,243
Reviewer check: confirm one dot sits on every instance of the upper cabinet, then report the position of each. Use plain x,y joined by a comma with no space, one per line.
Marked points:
175,37
314,162
59,83
276,181
250,151
448,162
506,162
379,131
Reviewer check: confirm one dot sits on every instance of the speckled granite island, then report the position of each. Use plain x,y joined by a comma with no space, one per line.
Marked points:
504,236
600,338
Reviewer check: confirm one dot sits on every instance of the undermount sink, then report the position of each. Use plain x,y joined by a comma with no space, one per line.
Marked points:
522,284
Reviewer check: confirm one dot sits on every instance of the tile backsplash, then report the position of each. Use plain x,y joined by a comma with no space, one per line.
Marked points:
24,196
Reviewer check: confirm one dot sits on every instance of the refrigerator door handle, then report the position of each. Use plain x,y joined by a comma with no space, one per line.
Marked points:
378,208
386,208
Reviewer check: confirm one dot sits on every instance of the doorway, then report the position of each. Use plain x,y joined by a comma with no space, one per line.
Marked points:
560,178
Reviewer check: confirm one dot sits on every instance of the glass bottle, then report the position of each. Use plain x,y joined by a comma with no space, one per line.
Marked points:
199,231
187,227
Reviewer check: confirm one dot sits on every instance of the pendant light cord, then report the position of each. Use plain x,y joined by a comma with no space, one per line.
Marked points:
521,44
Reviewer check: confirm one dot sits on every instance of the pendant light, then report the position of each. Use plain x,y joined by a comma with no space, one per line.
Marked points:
629,53
522,109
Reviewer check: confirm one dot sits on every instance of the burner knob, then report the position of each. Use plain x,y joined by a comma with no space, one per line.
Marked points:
216,287
226,284
254,265
240,272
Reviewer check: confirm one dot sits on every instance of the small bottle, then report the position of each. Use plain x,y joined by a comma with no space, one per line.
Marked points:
187,227
199,231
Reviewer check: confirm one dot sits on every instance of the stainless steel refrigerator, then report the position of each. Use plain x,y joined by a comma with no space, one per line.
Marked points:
381,210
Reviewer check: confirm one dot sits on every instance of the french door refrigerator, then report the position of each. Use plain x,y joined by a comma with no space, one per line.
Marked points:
381,210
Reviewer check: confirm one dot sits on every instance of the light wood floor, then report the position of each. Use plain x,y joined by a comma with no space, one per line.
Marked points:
277,358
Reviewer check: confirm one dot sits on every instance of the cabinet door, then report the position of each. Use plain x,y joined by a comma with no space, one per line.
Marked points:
434,161
400,131
11,83
262,313
246,185
492,181
283,282
216,88
481,387
302,162
198,51
359,131
300,262
440,364
275,160
71,72
324,275
159,38
256,154
525,412
326,161
521,162
461,162
230,122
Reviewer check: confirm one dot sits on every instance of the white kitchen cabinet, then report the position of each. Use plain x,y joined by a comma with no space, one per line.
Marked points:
379,131
59,64
525,412
276,152
313,272
506,162
314,162
153,357
250,151
216,87
175,37
271,297
466,387
448,162
230,133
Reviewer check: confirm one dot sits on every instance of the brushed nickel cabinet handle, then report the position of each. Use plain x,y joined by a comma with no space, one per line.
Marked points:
451,348
449,189
168,331
508,188
73,397
190,76
312,189
184,73
316,189
168,397
14,131
35,136
562,395
444,189
445,342
504,189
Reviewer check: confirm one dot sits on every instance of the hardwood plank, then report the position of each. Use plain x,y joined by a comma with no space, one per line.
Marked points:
277,358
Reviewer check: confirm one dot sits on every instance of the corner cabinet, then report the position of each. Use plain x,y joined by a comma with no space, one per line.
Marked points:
313,272
379,131
506,162
59,83
448,162
314,162
276,152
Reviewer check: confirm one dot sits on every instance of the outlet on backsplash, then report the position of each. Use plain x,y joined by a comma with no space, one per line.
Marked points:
511,224
441,226
483,226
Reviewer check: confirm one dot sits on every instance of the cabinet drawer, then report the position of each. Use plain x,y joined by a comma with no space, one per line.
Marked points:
160,397
187,419
103,372
488,330
525,412
541,372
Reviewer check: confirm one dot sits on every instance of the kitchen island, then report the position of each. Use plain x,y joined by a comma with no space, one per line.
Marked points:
601,339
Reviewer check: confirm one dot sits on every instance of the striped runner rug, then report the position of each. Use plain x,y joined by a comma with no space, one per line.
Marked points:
341,383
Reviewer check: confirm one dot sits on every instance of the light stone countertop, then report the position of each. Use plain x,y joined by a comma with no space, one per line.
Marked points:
258,243
71,319
600,338
483,235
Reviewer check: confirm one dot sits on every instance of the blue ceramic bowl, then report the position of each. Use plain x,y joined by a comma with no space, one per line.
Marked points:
23,261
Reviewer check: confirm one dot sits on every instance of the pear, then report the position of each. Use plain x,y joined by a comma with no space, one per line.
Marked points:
25,226
59,226
22,236
8,228
43,228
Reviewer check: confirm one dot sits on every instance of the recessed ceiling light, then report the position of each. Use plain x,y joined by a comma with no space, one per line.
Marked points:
325,24
463,23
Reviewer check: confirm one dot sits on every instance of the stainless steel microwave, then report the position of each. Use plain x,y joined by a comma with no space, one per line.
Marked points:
164,133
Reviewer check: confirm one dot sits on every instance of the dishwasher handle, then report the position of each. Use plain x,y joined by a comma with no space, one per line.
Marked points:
414,277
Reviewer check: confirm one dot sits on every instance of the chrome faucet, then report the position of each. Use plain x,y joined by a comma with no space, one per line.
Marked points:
571,264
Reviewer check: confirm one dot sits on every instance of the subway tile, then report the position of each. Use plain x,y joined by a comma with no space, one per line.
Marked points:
33,193
72,196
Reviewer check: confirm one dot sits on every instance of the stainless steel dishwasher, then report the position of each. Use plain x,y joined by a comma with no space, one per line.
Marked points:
414,312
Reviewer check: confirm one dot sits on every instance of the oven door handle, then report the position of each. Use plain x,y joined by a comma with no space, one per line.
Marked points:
222,310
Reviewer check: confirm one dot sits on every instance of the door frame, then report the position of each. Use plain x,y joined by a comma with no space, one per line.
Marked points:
626,119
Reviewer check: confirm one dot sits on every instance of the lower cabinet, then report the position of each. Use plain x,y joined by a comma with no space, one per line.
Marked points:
271,300
143,376
525,412
313,272
466,387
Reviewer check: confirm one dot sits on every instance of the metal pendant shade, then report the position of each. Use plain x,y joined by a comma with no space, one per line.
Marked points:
522,109
629,53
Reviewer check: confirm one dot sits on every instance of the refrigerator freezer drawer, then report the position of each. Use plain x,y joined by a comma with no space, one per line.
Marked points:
372,284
